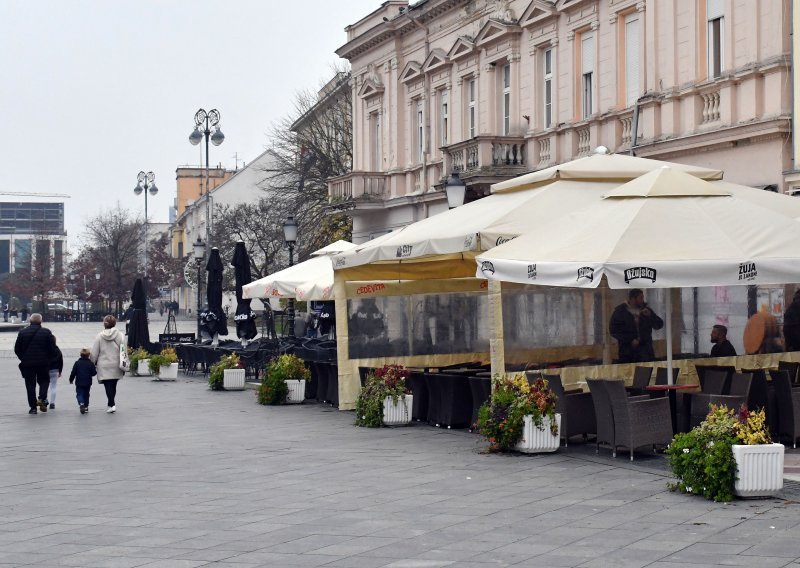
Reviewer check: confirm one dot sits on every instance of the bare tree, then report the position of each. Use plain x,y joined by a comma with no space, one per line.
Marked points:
112,240
309,146
38,275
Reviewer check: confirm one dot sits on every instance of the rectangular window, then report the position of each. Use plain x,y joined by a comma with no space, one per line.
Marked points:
22,255
420,134
5,256
631,59
548,88
506,99
587,71
445,117
58,258
471,108
375,119
716,28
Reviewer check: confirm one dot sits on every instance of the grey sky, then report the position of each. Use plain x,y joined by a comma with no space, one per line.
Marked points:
94,91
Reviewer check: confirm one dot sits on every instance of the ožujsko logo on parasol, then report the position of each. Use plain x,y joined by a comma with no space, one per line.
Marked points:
640,272
747,271
404,251
487,267
585,272
531,272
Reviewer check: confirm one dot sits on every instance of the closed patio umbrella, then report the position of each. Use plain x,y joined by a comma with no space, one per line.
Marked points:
215,316
138,332
245,317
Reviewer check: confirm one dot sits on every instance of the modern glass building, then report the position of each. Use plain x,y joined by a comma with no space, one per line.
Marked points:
22,224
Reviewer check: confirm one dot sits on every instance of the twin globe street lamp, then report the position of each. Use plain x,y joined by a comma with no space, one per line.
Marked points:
290,236
207,120
146,185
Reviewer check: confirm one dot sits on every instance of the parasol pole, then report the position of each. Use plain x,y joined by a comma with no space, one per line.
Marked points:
669,336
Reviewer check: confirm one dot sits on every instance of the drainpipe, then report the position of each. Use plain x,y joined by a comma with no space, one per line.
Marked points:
426,106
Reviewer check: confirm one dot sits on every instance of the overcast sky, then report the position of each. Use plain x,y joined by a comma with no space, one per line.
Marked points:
94,91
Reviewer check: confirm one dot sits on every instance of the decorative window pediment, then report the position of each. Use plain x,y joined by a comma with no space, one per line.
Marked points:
562,5
370,89
537,12
436,60
461,48
411,71
493,31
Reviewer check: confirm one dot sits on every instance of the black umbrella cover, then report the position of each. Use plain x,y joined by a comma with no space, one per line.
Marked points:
138,332
217,323
245,318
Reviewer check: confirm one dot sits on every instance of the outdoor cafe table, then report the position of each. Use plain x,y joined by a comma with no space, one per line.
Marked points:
671,391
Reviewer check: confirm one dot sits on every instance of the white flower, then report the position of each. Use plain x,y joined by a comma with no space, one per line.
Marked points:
685,450
711,444
688,489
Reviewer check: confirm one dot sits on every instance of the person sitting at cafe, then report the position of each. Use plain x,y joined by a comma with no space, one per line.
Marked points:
791,324
722,347
632,325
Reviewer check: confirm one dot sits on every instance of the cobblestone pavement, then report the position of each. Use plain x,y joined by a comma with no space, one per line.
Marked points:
181,476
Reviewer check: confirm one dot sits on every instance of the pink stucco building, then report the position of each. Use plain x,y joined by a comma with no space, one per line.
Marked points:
495,88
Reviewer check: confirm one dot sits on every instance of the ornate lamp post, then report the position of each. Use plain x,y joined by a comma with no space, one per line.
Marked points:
290,236
207,120
198,253
456,190
146,185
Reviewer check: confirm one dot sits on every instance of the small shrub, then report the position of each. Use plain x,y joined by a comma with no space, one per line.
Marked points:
501,418
134,356
166,357
217,372
273,389
389,380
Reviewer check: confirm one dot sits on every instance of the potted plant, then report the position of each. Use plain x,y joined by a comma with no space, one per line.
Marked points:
227,374
728,454
164,365
139,361
385,399
520,416
284,381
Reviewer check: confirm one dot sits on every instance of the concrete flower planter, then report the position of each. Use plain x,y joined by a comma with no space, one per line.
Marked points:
142,368
297,391
168,372
535,440
233,379
397,413
759,470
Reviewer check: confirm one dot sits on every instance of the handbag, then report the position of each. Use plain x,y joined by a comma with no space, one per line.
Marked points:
124,362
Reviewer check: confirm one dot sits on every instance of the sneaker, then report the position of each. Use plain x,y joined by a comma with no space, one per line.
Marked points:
42,405
32,411
52,405
83,409
111,409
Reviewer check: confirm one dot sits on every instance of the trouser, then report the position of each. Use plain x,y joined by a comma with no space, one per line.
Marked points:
111,390
82,394
53,383
34,376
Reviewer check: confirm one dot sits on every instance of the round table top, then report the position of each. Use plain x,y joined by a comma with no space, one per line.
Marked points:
761,325
669,387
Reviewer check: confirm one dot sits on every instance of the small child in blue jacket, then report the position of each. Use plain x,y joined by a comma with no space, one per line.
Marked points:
82,372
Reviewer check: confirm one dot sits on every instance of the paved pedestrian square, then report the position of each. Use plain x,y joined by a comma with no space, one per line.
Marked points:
182,476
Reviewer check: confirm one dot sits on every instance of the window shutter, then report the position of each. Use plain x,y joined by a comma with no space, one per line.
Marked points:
587,53
632,62
715,9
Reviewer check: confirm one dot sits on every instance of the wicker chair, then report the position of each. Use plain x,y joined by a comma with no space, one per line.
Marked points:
638,422
792,368
641,379
604,419
736,395
661,375
576,409
788,400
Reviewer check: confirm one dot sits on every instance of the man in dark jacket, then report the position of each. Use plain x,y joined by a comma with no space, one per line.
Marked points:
632,325
722,347
791,324
35,348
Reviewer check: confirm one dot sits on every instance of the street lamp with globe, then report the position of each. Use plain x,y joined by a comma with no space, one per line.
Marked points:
198,253
290,236
207,120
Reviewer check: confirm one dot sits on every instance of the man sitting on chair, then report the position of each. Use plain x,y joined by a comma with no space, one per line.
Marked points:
722,347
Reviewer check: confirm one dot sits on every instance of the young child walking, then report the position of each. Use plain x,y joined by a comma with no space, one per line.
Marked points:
82,372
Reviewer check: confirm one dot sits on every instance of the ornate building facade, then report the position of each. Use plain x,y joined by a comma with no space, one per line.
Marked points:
493,89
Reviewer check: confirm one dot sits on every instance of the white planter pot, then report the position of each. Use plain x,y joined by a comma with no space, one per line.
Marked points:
168,372
535,440
233,379
297,391
397,413
142,369
760,470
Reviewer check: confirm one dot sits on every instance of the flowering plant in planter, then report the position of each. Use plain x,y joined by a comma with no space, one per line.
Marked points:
703,460
501,418
134,356
273,388
216,374
388,381
166,357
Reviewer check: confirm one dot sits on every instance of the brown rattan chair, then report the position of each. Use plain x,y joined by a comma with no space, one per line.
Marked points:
638,423
576,409
604,419
792,369
788,402
641,379
736,396
661,375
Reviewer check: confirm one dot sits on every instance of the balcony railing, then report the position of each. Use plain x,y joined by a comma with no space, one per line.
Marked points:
357,186
710,106
485,153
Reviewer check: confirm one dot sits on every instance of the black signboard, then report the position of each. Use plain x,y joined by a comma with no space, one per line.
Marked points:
176,338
